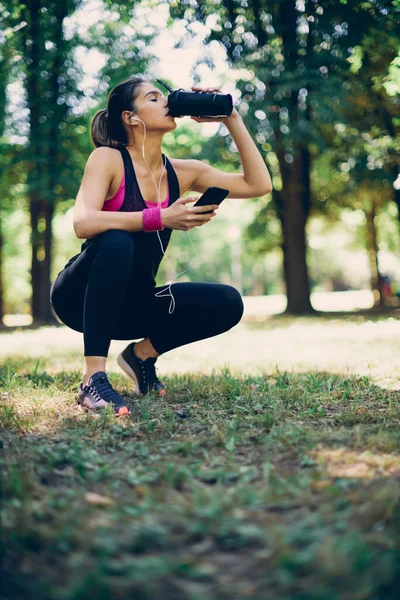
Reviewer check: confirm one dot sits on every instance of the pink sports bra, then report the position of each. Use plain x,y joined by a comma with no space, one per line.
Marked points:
115,203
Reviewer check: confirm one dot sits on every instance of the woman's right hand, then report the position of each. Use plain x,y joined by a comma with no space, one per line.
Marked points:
180,216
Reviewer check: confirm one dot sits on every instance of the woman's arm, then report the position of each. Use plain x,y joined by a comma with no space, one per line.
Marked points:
255,179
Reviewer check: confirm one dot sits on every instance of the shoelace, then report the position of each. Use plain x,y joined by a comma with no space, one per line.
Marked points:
152,371
103,390
148,370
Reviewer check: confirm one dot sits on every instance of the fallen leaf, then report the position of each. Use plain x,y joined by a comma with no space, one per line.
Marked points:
98,499
321,485
141,490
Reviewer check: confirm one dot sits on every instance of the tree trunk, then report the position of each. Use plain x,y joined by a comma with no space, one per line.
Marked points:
1,277
375,275
295,179
293,213
41,209
41,225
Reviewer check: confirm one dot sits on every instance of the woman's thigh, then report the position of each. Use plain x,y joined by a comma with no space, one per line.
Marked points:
69,288
198,298
113,249
194,306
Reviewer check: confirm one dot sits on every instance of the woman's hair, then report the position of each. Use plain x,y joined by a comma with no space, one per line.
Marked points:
107,128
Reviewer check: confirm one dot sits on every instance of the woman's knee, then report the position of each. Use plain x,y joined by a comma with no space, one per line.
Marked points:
115,242
231,304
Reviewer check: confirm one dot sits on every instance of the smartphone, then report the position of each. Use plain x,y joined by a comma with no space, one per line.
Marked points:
213,195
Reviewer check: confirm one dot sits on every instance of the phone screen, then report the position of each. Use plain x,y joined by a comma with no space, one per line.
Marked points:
213,195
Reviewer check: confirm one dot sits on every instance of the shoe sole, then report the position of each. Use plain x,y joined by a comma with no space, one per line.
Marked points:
127,369
122,411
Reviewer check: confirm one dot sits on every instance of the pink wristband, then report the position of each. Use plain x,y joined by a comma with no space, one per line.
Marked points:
152,219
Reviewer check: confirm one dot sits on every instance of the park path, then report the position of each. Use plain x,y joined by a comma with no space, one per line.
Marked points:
349,345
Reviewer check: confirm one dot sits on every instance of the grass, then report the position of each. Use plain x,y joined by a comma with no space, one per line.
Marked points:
281,486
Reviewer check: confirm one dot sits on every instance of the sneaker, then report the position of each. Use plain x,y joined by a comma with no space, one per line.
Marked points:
143,372
98,393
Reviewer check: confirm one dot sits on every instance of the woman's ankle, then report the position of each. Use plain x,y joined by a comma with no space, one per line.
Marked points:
145,350
93,364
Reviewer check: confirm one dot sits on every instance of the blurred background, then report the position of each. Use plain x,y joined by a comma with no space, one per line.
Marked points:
317,83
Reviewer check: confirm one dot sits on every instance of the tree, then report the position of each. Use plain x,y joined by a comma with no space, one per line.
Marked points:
296,54
49,89
57,142
364,147
376,105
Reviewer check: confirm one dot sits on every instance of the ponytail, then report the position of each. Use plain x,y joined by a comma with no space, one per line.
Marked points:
99,129
107,128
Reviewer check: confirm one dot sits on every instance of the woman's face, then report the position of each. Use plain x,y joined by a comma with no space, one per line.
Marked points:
151,107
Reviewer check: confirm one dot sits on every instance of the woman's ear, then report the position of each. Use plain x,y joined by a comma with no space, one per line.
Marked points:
128,117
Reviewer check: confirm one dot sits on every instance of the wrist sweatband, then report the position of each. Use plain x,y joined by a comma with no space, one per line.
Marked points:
152,219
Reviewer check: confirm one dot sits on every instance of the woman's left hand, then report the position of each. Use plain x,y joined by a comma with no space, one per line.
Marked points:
233,114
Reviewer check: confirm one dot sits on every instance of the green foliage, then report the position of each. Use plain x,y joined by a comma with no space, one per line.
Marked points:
324,75
41,166
314,78
296,77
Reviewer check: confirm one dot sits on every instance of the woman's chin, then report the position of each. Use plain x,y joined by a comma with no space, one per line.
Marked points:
166,126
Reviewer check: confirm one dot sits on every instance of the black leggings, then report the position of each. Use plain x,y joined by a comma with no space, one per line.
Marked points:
96,294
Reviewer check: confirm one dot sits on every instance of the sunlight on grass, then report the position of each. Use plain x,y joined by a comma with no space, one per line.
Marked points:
341,345
342,462
236,482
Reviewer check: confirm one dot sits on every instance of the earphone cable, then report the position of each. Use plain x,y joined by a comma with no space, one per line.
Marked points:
167,291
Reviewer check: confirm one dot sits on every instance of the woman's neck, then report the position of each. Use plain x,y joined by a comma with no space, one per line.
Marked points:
152,152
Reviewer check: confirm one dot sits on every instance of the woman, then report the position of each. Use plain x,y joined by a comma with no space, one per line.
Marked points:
127,206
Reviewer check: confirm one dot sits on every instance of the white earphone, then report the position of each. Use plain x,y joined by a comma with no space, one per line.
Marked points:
166,292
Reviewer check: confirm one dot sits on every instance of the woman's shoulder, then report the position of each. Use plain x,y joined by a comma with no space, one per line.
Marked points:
104,156
106,161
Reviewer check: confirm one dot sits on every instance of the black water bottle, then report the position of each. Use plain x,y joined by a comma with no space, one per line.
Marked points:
198,104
